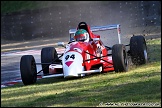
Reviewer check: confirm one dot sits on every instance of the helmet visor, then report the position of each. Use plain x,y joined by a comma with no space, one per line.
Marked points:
80,37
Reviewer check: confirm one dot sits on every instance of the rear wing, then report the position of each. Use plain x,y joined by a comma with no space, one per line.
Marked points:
102,28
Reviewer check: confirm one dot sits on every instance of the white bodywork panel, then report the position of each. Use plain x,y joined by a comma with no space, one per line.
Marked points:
72,64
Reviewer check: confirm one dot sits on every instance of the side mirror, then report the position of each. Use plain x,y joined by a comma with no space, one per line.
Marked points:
62,44
72,39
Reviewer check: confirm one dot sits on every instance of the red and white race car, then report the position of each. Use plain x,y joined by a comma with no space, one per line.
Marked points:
82,58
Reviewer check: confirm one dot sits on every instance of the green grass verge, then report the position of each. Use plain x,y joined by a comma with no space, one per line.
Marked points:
141,84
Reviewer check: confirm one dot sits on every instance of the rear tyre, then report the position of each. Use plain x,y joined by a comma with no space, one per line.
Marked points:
28,69
138,50
48,55
119,58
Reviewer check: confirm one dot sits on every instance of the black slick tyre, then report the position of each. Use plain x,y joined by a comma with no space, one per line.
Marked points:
138,50
119,57
28,69
48,56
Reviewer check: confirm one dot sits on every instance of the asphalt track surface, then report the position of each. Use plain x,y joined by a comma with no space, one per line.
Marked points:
10,65
11,52
10,68
10,59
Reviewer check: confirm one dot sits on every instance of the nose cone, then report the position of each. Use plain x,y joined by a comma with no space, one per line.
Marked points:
72,64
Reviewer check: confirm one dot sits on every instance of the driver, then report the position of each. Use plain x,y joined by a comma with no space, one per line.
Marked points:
81,35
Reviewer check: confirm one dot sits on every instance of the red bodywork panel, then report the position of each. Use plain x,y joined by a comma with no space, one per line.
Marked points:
95,48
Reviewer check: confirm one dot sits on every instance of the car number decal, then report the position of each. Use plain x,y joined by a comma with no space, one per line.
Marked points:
72,56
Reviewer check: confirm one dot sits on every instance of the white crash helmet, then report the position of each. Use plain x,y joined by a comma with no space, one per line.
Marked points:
81,35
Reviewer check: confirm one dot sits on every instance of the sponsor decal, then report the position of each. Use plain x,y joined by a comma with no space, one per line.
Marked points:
69,63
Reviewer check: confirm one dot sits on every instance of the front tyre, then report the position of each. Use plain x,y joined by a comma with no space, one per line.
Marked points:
119,57
138,50
28,69
48,55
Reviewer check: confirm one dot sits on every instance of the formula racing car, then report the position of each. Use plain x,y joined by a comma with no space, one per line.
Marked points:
84,54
